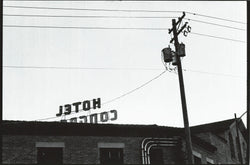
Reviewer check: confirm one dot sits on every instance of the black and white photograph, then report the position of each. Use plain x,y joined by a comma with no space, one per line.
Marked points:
124,82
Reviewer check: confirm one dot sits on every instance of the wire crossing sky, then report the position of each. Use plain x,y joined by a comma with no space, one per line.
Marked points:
60,52
92,16
163,11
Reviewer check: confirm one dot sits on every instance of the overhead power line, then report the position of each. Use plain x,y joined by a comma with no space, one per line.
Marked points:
82,27
211,73
212,36
225,26
108,68
112,100
218,18
123,10
112,28
76,68
84,16
242,115
239,118
119,97
129,92
115,17
92,9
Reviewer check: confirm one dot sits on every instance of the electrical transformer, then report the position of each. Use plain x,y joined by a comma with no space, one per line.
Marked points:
182,50
167,54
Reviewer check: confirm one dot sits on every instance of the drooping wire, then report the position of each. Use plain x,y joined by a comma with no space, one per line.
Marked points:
135,88
119,97
88,115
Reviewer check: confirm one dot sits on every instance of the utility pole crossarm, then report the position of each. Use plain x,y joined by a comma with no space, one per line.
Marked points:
174,30
179,20
183,27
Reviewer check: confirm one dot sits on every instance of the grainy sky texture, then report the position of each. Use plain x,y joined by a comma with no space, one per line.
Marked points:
44,67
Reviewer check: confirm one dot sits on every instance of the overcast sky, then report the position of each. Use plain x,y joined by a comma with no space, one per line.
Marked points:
108,63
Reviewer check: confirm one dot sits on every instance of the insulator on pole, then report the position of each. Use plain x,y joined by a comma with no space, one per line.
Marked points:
167,54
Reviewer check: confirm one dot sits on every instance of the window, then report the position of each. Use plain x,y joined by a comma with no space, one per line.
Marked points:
49,155
231,143
111,156
156,156
49,152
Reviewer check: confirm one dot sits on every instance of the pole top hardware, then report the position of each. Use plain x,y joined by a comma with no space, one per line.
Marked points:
183,27
179,20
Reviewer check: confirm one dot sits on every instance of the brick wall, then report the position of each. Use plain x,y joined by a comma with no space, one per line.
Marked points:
223,153
77,150
84,149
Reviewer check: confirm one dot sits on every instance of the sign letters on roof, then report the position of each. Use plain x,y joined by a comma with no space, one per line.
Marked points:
86,105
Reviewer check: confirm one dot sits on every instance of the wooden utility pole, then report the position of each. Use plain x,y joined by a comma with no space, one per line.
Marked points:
182,90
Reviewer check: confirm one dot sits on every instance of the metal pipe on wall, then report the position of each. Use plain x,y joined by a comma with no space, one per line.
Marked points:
162,141
142,148
153,145
156,142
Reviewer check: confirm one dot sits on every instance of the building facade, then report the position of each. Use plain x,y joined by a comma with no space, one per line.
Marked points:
81,143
